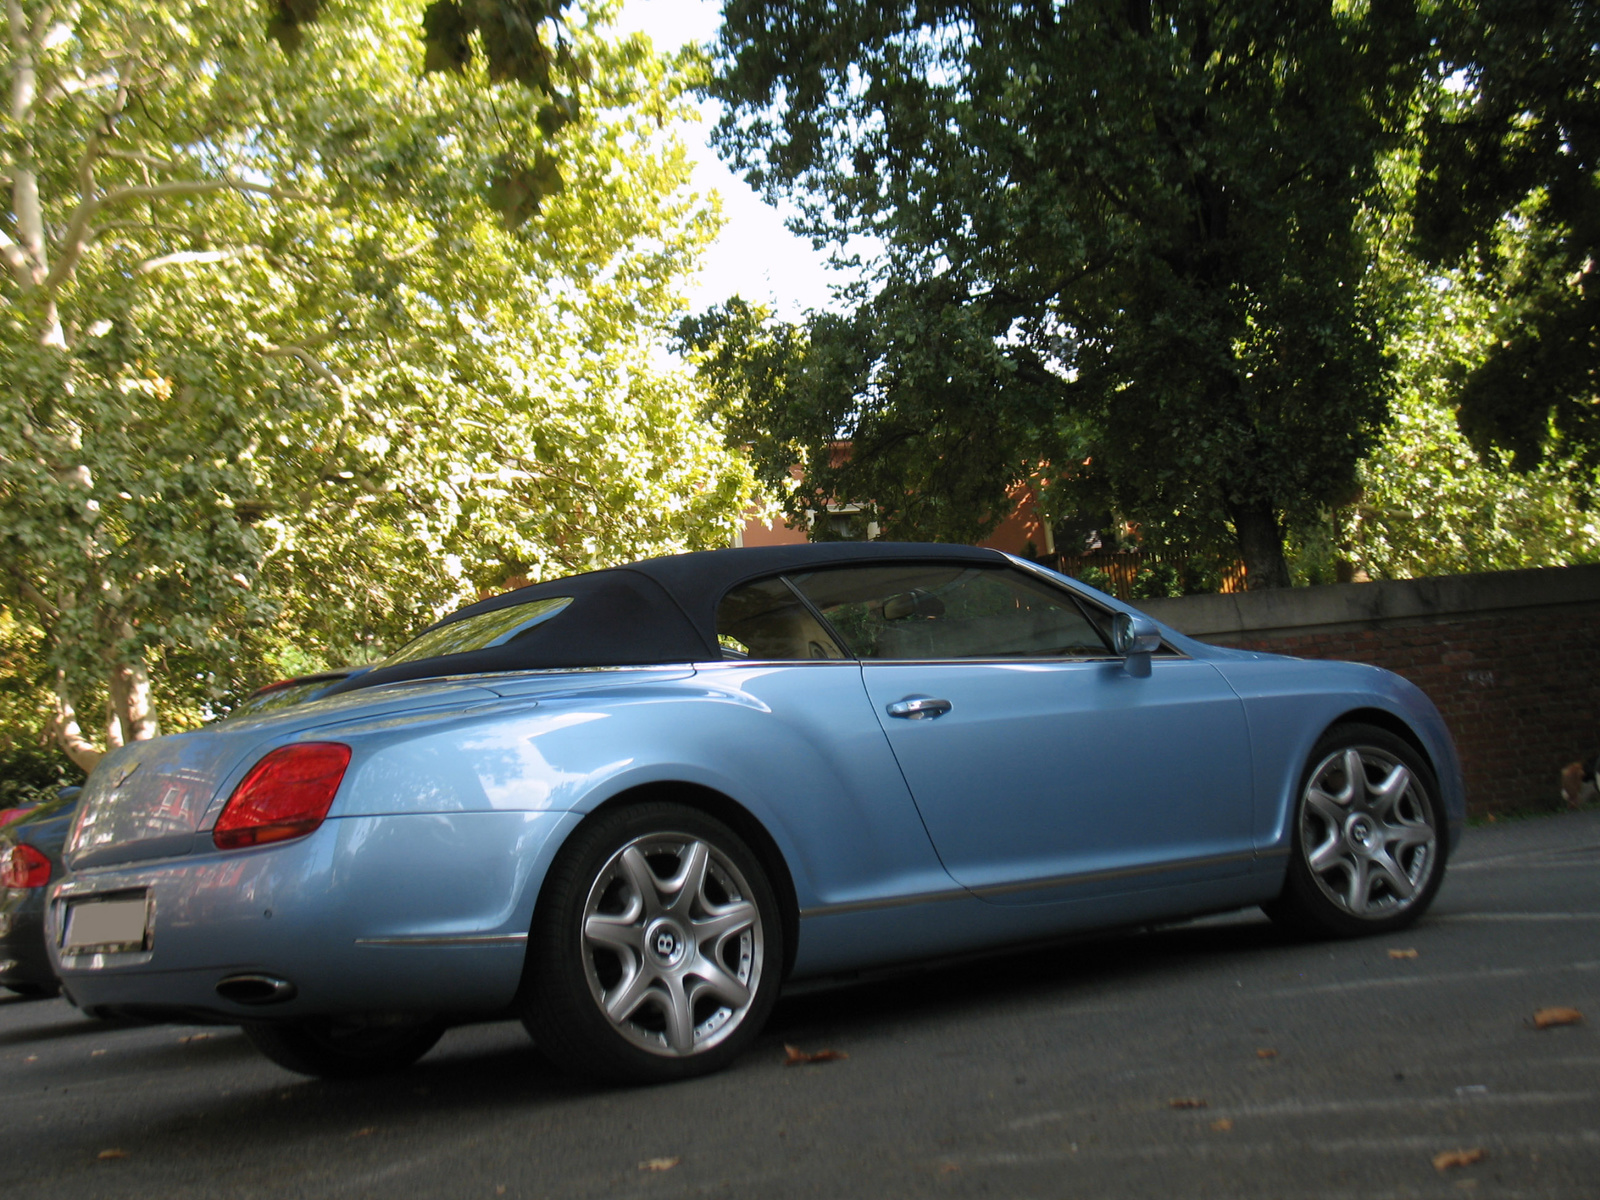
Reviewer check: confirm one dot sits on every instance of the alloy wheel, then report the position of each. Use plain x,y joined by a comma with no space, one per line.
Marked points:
1366,832
672,944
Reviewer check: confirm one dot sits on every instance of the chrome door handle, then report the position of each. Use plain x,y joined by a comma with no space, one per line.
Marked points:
918,708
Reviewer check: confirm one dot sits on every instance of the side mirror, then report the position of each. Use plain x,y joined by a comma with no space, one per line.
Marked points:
1135,635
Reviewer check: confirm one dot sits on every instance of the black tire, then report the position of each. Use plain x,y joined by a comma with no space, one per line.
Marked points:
345,1047
704,967
35,991
1364,859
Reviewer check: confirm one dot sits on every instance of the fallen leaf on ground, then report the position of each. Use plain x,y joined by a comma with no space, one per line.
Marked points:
31,1058
195,1037
1446,1159
1546,1017
1403,953
949,1168
364,1132
1186,1102
659,1164
112,1154
96,1053
1266,1054
793,1056
1222,1126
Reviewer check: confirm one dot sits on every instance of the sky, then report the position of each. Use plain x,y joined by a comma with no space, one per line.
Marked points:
756,257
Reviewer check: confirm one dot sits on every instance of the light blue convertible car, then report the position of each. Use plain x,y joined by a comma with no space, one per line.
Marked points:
628,805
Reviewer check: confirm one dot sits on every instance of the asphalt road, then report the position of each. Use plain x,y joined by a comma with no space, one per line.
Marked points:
1327,1070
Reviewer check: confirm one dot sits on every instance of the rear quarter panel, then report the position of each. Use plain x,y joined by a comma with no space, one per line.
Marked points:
795,744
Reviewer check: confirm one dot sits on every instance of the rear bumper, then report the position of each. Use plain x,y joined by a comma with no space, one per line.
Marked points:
408,913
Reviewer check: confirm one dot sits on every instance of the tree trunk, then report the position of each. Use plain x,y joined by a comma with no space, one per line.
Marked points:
130,698
65,725
1260,539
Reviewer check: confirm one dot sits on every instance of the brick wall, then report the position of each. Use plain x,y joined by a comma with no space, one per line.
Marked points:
1512,659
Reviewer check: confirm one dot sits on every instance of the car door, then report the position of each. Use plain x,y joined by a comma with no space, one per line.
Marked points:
1043,767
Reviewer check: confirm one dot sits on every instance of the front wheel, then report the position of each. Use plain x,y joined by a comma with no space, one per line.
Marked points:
346,1047
656,948
1368,847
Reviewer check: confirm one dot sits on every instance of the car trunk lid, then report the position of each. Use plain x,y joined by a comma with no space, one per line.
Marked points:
150,799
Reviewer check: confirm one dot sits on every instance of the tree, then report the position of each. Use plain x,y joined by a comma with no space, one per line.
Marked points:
1430,504
1122,247
1510,191
295,358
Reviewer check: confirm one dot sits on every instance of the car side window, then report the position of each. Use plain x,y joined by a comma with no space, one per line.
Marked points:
915,611
767,620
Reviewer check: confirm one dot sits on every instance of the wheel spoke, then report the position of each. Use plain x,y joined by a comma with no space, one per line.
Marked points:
1360,884
1355,778
722,921
1328,855
616,933
1390,871
1408,834
679,1015
719,983
645,884
1329,807
1388,793
621,1001
685,887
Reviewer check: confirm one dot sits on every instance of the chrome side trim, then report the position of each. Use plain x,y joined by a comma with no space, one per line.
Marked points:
1030,885
461,939
855,906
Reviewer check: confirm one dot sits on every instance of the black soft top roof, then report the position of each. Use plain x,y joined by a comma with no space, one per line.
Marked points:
658,610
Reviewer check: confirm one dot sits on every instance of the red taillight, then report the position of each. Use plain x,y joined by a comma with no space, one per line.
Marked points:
286,795
23,866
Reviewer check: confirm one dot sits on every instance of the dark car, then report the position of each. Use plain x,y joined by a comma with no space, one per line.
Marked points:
299,690
30,859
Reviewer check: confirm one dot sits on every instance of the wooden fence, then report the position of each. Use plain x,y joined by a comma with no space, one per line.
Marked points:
1122,568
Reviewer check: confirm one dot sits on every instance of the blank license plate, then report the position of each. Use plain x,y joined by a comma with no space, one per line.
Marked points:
106,926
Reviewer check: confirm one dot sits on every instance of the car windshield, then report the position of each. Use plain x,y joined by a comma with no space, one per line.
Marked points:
479,632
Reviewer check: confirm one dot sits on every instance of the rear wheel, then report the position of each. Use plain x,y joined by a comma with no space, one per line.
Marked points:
1368,847
655,949
346,1047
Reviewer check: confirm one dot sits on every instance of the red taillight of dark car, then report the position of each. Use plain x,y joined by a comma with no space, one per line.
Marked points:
22,866
285,795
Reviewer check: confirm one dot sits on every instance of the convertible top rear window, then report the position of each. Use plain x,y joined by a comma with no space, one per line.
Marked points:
479,632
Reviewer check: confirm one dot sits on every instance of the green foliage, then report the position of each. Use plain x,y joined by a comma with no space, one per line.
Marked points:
1510,189
1120,239
1430,503
291,380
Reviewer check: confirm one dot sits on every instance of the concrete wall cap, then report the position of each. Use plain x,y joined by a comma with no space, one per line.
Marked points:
1284,611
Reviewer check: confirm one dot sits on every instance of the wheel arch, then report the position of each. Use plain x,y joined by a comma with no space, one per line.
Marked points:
1389,723
738,818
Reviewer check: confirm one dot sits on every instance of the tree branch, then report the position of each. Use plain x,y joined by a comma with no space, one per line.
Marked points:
35,597
17,260
64,727
305,356
78,233
186,257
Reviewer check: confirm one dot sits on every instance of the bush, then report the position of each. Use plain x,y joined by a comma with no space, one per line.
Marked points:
32,773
